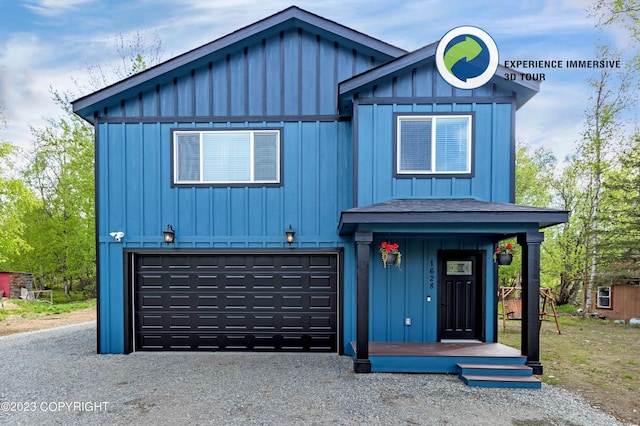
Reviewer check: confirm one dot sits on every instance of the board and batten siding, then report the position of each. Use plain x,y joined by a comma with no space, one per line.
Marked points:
136,195
288,81
400,293
492,151
293,73
420,89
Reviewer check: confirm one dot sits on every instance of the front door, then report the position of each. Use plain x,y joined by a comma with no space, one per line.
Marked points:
460,295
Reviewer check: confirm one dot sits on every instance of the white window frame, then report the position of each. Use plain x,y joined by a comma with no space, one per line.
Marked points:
609,306
252,133
434,119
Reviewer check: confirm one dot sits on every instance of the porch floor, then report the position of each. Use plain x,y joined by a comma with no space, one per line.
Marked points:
436,357
439,349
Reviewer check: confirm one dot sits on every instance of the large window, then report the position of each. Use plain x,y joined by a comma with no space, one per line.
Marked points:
604,297
226,157
433,144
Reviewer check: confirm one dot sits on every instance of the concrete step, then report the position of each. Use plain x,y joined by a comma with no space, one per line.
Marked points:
521,382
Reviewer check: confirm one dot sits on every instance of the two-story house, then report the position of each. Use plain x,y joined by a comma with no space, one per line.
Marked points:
276,160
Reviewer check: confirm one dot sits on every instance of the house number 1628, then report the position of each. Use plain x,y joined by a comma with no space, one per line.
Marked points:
431,275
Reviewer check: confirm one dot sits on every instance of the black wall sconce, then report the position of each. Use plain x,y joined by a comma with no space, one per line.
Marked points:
290,233
169,234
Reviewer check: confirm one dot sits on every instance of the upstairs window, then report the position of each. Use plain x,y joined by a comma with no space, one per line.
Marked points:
604,297
433,144
236,157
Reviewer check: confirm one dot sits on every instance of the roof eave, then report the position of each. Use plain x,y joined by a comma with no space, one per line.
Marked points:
349,222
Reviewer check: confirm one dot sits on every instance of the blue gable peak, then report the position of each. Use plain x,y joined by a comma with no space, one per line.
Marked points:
292,17
425,56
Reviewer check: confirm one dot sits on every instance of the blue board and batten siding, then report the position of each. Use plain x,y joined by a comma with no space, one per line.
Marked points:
334,95
422,90
288,81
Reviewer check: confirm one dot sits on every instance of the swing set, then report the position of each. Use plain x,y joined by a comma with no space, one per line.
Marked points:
512,308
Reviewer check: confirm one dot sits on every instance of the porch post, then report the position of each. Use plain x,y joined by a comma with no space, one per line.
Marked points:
530,243
361,363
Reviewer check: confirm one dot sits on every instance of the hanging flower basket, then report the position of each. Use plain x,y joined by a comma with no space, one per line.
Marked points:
504,254
390,254
504,258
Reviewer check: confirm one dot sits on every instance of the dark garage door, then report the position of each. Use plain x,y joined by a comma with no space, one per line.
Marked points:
208,302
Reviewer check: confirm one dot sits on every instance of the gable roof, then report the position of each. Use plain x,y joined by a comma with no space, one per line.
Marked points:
292,17
524,89
454,210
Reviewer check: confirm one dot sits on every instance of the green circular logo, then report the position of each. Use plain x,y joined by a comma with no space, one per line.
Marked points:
467,57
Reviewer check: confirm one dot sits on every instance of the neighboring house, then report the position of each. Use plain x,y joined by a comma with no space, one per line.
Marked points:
617,301
298,122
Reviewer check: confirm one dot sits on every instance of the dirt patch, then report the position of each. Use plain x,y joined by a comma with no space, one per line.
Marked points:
18,324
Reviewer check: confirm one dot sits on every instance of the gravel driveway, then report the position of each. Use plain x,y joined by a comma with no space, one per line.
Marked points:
55,377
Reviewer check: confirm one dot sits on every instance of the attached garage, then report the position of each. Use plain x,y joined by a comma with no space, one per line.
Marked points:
233,301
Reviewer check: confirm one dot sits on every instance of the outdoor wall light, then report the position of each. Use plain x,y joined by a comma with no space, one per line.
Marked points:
169,234
290,233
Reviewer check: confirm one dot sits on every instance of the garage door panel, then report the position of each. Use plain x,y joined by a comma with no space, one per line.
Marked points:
262,301
236,301
255,282
229,322
238,342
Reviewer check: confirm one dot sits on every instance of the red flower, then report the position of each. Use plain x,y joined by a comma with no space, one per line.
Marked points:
388,248
509,246
395,246
384,244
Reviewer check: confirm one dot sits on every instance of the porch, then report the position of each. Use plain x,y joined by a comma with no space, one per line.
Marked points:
437,357
467,230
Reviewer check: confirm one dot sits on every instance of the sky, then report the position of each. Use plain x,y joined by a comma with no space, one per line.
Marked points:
50,45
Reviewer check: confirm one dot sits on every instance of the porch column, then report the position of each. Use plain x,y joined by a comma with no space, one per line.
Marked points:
361,363
530,243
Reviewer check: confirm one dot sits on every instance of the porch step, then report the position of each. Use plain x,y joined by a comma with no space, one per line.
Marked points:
498,376
495,370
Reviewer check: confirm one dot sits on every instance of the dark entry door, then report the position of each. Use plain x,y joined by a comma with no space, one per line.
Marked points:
460,295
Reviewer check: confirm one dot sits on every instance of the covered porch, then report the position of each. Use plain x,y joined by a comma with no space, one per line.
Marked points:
450,219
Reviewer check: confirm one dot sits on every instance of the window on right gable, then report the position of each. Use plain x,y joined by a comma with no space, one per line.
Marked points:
433,144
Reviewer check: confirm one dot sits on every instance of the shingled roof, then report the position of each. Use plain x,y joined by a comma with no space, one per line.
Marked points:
447,210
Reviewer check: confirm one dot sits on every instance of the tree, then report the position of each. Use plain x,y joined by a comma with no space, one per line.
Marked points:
134,56
534,175
563,254
61,230
620,12
595,156
622,237
15,200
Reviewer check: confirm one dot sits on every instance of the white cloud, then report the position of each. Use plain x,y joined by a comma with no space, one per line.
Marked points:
53,7
554,118
25,88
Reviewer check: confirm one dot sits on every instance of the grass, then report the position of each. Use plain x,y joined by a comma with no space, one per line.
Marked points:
592,357
61,304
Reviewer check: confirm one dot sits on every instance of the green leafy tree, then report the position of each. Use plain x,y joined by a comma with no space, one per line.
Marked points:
62,229
534,177
620,240
15,201
563,252
595,155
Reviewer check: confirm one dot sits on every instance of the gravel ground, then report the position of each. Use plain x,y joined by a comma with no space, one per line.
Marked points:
55,377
